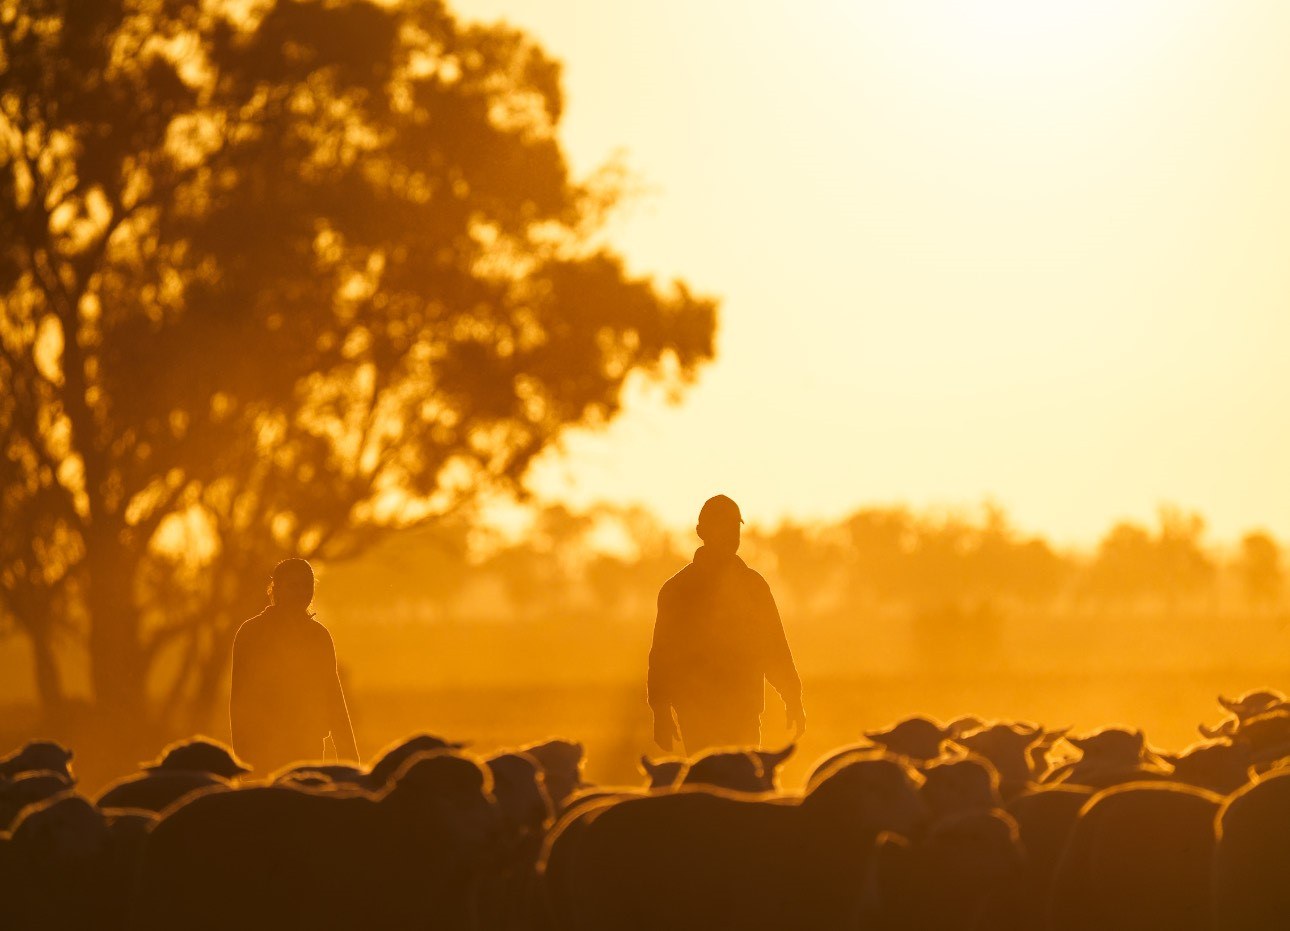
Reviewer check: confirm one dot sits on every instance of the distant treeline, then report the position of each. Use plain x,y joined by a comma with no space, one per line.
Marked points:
608,563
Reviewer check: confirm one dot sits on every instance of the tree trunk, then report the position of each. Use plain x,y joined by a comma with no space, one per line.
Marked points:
118,665
236,595
33,612
210,673
49,684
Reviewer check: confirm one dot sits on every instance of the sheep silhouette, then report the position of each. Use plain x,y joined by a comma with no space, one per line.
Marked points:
1110,756
38,756
742,770
732,860
410,856
317,774
1240,710
964,873
1138,857
1045,818
60,867
912,828
958,785
918,738
738,770
158,790
562,764
198,755
1220,765
1013,749
27,788
661,772
510,896
181,769
1248,884
1266,737
391,759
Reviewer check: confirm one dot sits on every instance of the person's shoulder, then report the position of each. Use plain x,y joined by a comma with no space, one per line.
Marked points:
755,578
318,631
676,581
250,627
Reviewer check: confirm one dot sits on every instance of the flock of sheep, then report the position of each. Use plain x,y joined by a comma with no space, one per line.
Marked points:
966,825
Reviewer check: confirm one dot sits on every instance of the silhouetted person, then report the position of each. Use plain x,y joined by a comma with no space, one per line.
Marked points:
287,695
718,635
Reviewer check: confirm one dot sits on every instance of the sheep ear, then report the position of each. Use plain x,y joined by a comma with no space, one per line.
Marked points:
771,759
1258,770
951,748
1027,729
890,840
874,736
1228,704
1079,743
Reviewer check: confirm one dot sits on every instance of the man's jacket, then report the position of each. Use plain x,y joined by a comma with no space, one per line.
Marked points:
718,634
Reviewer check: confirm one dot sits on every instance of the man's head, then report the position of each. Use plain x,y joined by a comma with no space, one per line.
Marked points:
719,521
293,584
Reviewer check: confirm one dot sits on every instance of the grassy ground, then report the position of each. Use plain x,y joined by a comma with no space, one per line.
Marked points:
613,723
608,713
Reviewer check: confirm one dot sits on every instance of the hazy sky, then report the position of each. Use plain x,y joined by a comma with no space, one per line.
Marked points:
1028,250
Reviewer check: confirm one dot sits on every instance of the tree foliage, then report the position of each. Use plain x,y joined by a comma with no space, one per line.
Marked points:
275,274
1259,565
1133,564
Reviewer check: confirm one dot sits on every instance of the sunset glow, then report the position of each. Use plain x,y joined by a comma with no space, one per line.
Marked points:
547,465
1027,251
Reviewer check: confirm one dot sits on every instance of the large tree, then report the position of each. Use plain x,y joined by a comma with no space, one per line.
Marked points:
274,274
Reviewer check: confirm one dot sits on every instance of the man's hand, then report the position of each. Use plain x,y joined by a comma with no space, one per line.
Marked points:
796,719
666,732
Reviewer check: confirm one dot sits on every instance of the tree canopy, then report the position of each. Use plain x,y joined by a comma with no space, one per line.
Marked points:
274,274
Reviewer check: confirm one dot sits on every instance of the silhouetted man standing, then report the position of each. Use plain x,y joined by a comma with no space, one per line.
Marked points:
718,635
287,695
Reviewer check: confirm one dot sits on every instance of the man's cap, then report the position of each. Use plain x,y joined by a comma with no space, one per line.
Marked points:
719,508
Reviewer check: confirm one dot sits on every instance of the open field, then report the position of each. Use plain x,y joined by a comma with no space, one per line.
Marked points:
611,719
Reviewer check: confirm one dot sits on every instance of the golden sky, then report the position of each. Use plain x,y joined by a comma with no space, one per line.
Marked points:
1029,250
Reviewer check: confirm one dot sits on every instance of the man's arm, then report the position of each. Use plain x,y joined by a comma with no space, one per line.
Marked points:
342,731
659,679
781,672
238,711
